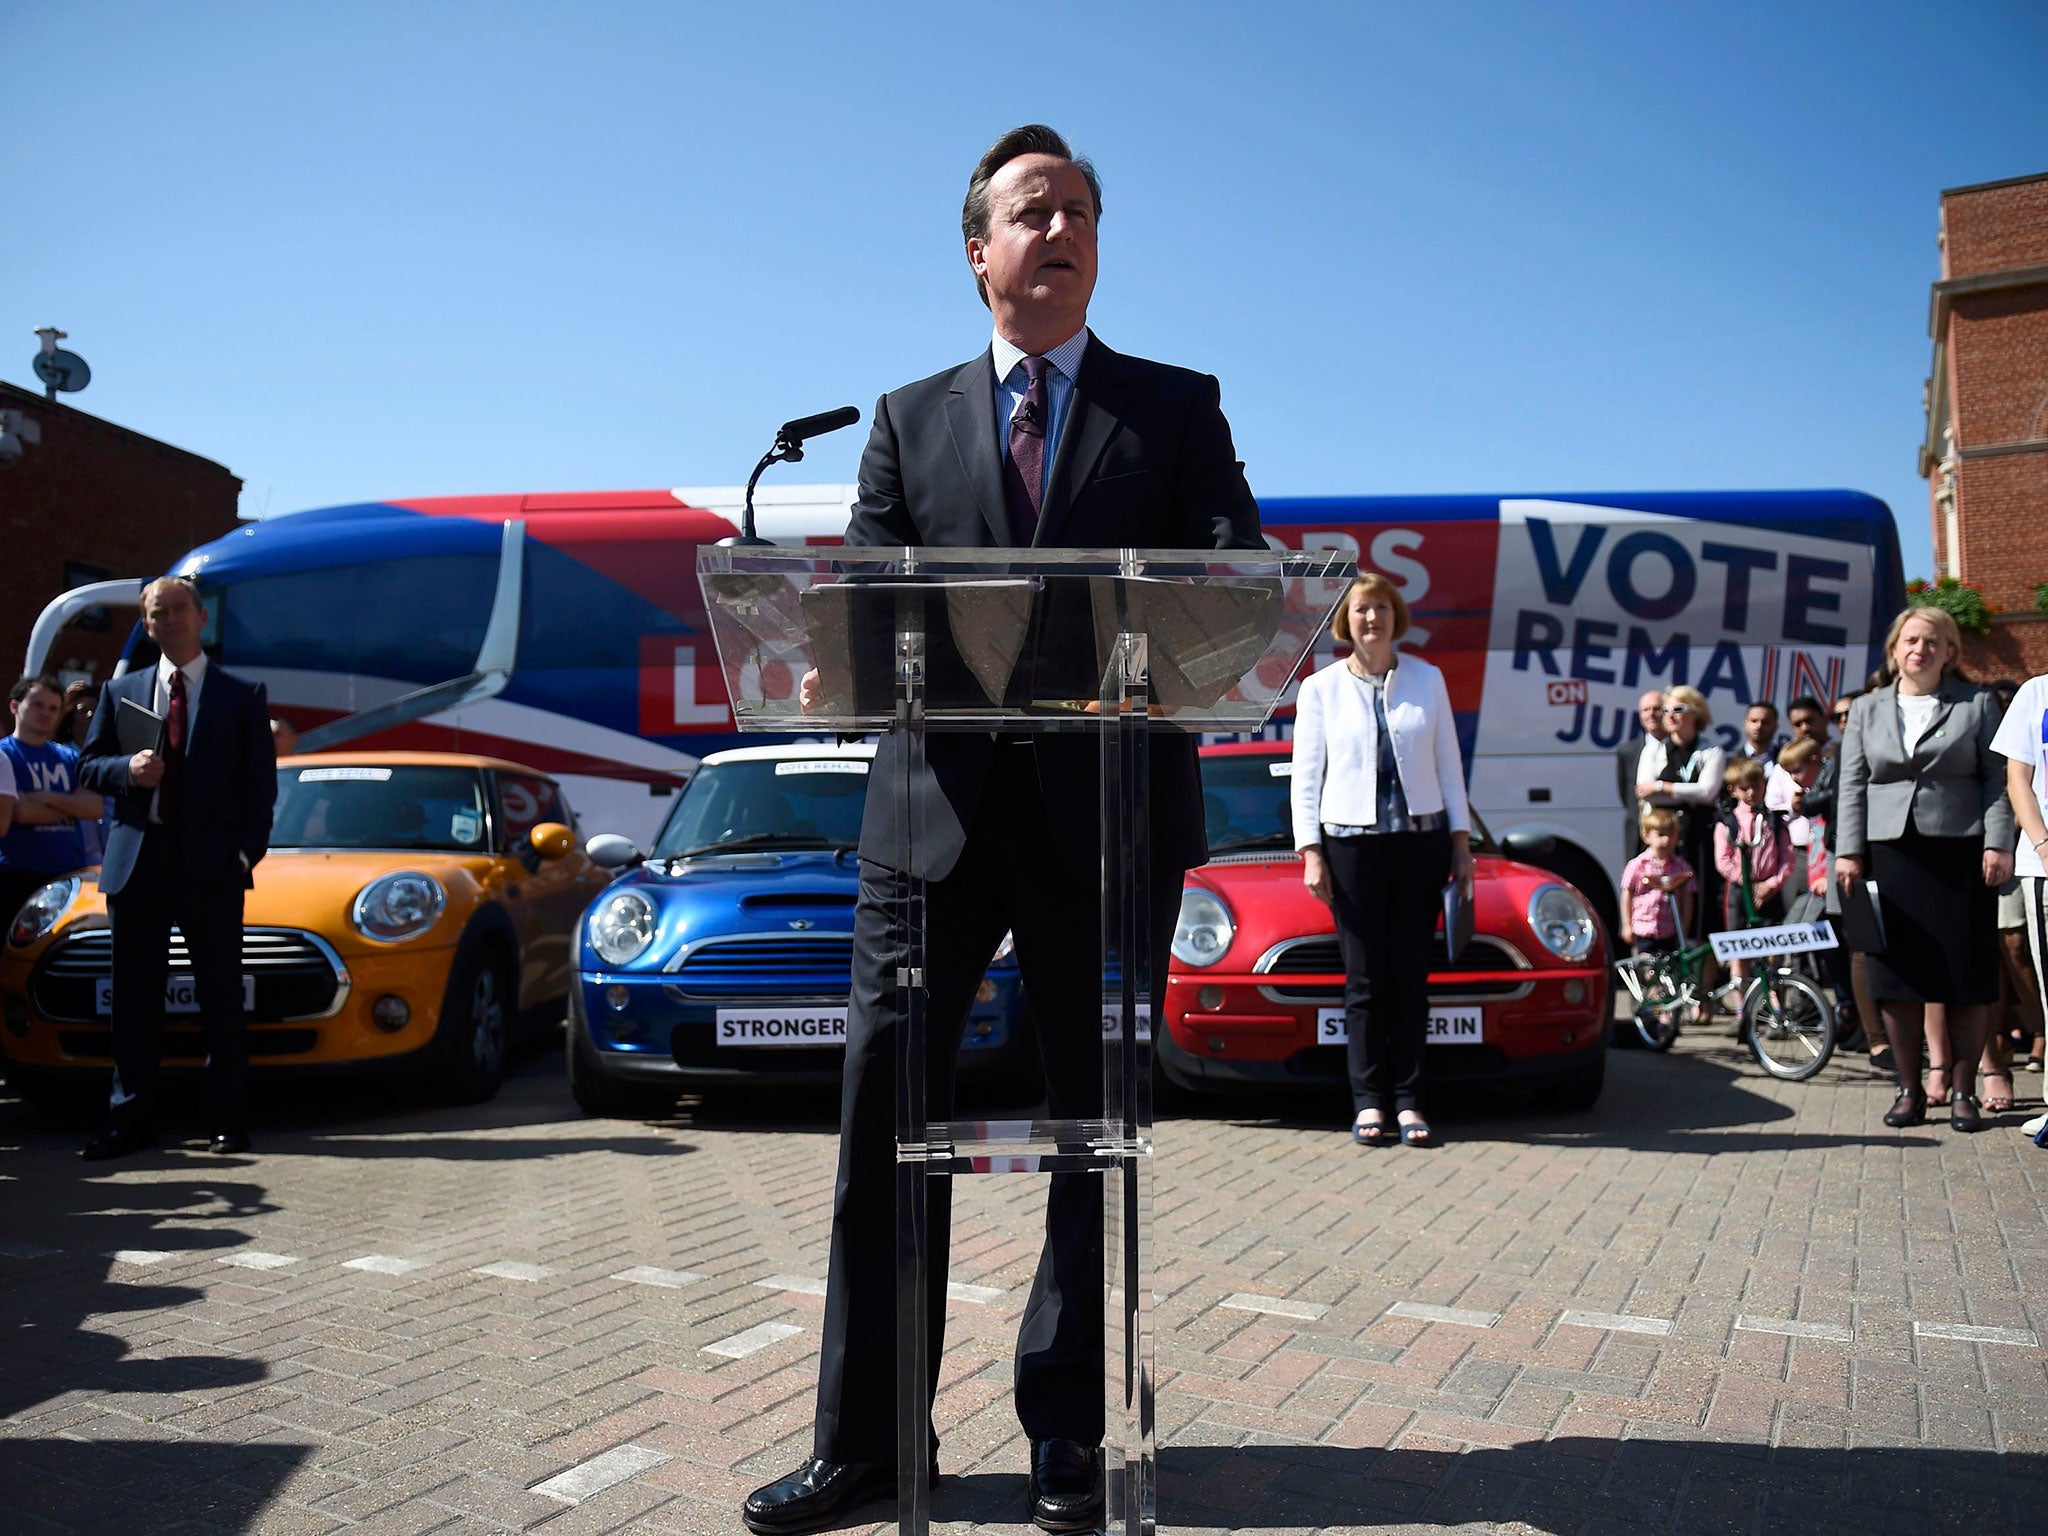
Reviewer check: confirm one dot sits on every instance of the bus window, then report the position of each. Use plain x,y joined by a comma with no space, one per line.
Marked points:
419,620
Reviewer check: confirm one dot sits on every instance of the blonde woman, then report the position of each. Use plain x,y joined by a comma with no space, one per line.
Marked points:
1923,812
1381,823
1690,784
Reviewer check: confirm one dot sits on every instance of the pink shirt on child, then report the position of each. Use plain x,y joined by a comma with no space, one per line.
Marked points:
1770,850
1649,906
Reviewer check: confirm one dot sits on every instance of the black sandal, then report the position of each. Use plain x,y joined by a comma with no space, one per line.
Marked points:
1417,1135
1373,1135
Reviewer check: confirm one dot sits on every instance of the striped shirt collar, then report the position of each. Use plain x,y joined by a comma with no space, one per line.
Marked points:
1066,357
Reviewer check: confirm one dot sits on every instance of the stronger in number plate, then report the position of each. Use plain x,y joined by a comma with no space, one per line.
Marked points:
782,1026
181,993
1447,1026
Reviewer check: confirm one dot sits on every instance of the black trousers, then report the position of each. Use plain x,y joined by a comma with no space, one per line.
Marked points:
1388,889
158,894
1011,876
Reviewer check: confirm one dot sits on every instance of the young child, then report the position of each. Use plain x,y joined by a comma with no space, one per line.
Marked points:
1753,852
1649,882
1748,829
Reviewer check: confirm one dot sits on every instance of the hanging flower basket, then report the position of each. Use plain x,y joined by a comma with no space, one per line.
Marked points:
1959,600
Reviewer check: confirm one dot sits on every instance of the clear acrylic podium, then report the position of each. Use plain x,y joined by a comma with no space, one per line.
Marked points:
1118,643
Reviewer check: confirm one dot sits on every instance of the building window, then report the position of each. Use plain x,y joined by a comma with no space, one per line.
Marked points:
79,574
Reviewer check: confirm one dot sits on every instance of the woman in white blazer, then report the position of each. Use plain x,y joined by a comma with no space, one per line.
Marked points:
1381,823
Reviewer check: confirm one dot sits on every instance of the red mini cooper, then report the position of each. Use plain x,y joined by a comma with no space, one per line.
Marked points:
1255,994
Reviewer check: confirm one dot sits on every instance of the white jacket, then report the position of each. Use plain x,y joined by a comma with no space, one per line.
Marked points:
1337,749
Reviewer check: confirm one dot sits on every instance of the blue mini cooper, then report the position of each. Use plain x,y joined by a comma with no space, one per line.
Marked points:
723,958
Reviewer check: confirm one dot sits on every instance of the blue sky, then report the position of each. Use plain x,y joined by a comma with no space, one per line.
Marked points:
372,250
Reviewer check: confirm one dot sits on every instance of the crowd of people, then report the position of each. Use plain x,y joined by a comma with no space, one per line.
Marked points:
1920,798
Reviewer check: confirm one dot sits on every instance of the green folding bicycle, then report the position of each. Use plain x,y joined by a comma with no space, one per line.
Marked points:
1785,1015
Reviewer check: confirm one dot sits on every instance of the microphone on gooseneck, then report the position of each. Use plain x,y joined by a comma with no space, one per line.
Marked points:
788,448
817,426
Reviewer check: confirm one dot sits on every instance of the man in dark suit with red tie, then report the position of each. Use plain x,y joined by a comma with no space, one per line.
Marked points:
190,823
1047,438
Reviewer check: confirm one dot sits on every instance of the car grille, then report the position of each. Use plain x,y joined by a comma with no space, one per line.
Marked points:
296,975
1319,957
806,965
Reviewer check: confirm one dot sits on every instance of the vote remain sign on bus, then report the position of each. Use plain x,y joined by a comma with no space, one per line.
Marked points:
1593,606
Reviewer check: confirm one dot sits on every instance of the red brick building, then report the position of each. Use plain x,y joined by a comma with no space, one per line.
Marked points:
1986,452
90,502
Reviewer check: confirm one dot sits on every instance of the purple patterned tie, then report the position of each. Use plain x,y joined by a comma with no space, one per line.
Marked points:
1024,470
171,786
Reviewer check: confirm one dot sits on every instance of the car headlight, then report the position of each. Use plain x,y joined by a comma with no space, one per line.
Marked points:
621,927
1205,929
1562,922
396,907
39,914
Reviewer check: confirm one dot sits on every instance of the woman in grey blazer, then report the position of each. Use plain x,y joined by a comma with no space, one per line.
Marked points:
1921,810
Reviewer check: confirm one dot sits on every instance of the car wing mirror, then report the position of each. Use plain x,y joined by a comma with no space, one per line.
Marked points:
550,839
608,850
1528,847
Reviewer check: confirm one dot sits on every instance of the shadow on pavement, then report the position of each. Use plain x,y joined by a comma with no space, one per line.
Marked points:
484,1149
1704,1100
50,1297
142,1486
1574,1484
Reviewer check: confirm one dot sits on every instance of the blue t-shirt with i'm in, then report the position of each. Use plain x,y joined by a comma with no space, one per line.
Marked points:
58,848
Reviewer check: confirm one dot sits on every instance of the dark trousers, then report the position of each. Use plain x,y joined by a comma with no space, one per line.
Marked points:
159,893
1388,889
1010,877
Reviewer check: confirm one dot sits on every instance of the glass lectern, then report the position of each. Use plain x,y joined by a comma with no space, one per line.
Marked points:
1123,644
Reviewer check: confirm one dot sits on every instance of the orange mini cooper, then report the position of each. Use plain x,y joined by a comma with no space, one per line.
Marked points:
414,909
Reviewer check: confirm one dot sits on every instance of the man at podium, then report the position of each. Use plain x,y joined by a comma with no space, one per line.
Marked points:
1045,438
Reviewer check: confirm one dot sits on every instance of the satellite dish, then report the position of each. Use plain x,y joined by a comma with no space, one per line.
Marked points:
63,370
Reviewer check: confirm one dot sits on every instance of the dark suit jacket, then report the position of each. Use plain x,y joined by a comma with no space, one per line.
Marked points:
1145,461
229,787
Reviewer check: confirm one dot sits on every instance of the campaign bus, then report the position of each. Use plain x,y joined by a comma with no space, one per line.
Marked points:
567,630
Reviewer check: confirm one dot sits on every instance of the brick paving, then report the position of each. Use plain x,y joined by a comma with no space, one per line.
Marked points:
1718,1303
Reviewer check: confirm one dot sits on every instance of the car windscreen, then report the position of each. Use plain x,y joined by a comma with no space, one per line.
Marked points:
781,803
380,806
1245,804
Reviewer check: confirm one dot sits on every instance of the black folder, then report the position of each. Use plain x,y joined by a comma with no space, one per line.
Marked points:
1458,919
1862,926
138,729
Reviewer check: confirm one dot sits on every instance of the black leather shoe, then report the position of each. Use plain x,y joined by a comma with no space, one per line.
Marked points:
226,1142
817,1493
116,1141
1963,1114
1909,1108
1066,1485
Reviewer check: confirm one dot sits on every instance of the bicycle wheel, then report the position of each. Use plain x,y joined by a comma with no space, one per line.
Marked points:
1790,1025
1657,1023
1660,1006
